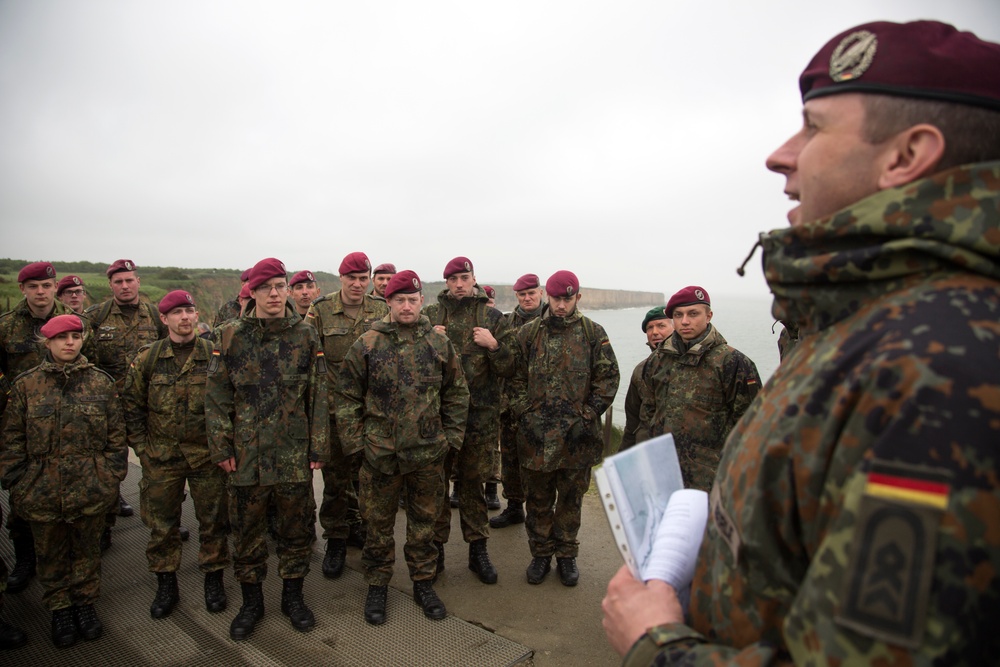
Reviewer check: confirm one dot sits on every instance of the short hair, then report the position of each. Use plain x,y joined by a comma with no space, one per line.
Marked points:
971,134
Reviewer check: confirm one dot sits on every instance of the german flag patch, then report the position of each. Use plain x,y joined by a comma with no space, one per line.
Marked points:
891,568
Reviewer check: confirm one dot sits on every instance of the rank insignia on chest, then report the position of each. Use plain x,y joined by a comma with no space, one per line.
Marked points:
886,587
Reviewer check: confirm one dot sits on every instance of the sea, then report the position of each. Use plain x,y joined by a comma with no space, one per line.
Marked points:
744,321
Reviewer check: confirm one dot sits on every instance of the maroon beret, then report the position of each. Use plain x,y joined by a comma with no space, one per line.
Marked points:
689,296
120,265
457,265
302,277
527,281
245,276
36,271
244,291
922,59
404,282
562,283
264,270
385,268
490,292
60,324
68,282
175,299
356,262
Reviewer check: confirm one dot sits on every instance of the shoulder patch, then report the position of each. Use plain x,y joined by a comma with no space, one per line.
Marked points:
321,363
891,568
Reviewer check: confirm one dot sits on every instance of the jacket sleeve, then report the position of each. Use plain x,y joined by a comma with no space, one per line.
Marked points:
742,382
219,407
633,404
517,386
135,401
454,398
13,445
116,447
604,374
318,399
350,392
502,360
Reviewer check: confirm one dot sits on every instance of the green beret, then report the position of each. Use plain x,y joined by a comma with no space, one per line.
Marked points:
658,313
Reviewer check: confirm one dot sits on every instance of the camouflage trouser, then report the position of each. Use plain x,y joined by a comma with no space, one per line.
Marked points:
494,475
16,526
511,465
553,532
69,560
295,524
3,568
339,510
380,493
471,466
161,493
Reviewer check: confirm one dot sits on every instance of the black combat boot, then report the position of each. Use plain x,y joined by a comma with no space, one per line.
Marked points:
568,572
538,568
167,595
185,533
356,535
454,494
440,560
375,604
294,606
215,592
424,595
24,564
63,628
87,623
252,611
510,516
11,637
124,509
492,501
106,539
479,562
336,556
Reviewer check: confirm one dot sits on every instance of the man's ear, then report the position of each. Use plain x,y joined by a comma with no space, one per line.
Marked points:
911,155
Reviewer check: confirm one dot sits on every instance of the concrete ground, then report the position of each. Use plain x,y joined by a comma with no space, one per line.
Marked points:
562,625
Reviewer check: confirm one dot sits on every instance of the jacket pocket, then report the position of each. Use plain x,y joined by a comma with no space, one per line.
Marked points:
40,426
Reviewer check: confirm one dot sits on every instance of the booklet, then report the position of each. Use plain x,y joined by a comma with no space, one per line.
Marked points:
658,525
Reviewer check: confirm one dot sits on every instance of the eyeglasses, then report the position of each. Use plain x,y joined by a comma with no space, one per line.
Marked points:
74,292
267,288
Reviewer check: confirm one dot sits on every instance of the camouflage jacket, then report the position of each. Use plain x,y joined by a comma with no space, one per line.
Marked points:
637,396
483,369
165,403
698,395
266,401
118,339
856,518
338,332
230,310
564,381
20,349
516,318
64,449
401,397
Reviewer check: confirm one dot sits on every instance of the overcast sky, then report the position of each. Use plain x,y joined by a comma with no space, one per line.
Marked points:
622,140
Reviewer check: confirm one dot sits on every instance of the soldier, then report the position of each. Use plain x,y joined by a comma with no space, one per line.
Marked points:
530,304
483,340
567,376
490,488
71,293
491,296
304,291
402,401
855,519
164,402
657,326
700,387
267,418
381,276
121,325
19,352
234,308
340,318
62,459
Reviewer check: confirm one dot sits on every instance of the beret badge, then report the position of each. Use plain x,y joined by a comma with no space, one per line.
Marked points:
416,283
853,56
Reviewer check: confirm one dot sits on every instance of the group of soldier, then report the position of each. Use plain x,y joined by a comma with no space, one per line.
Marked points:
388,398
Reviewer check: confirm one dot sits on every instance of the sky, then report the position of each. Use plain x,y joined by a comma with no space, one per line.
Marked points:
624,141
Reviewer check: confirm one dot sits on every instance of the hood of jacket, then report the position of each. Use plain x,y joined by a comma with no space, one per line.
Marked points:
821,272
